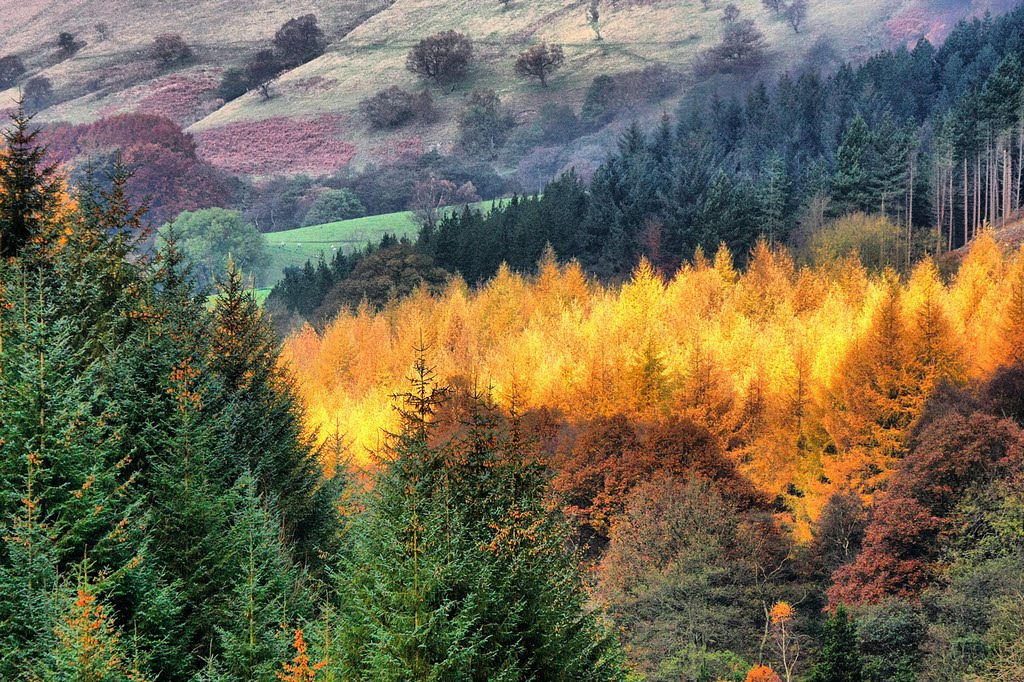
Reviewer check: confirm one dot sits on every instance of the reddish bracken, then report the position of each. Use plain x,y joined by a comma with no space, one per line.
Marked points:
182,98
278,145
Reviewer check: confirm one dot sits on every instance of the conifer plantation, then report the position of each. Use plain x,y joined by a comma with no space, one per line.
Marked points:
741,402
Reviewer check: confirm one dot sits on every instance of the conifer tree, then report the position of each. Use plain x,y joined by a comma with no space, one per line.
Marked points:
30,189
265,433
839,660
263,589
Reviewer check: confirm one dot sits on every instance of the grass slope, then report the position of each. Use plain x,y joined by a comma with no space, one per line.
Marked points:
294,247
369,42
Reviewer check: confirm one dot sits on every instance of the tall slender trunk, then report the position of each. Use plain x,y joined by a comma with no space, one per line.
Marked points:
966,226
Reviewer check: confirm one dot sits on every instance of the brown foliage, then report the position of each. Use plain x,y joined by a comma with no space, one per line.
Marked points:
953,456
441,57
540,61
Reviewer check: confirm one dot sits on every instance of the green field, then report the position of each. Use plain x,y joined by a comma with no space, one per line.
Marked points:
295,247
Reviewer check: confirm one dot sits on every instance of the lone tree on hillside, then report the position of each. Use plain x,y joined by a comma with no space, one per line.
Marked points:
441,57
170,49
540,61
796,13
743,47
262,70
67,44
299,40
11,70
594,18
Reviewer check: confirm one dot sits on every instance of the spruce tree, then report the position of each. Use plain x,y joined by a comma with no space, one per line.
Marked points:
839,660
30,189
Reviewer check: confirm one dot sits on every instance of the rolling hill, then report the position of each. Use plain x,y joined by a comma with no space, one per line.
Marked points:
311,124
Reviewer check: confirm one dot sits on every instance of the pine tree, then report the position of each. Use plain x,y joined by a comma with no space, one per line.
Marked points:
839,660
266,433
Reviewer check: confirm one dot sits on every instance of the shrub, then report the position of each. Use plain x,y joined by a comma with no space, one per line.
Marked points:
540,61
299,40
11,70
170,49
68,44
37,93
443,57
333,205
394,107
233,84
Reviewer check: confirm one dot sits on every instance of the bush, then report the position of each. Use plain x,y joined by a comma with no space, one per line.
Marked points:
443,57
484,126
11,70
170,49
233,85
299,40
394,107
208,237
38,93
333,205
68,44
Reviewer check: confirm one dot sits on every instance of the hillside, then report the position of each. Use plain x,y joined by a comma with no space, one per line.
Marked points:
311,124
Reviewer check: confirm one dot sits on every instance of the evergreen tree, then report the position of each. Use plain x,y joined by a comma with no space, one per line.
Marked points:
851,184
840,659
30,189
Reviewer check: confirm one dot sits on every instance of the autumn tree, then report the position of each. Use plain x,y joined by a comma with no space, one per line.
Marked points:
299,40
443,57
540,61
262,70
170,49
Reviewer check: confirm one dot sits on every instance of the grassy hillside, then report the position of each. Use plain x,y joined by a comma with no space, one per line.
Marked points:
295,247
312,125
